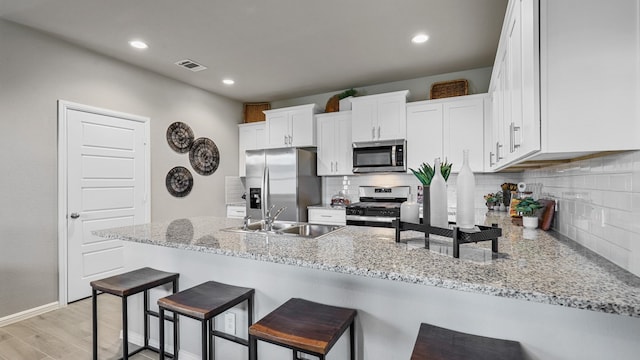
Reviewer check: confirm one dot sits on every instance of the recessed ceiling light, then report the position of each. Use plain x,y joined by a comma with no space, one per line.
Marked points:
420,38
228,82
138,44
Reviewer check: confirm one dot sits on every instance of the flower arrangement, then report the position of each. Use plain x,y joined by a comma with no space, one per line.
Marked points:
425,172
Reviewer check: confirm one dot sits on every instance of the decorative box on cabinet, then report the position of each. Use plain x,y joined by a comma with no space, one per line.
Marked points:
327,215
334,143
291,127
443,128
379,117
251,137
565,82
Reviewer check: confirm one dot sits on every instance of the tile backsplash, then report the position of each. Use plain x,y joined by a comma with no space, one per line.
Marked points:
598,204
598,200
485,183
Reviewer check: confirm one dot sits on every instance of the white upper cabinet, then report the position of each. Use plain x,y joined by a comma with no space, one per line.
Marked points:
379,117
425,133
443,128
251,137
566,81
334,143
291,127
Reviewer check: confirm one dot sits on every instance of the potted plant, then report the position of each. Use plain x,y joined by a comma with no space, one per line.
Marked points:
491,200
425,174
527,208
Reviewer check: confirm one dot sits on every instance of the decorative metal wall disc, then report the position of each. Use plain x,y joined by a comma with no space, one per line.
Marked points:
204,156
179,181
180,137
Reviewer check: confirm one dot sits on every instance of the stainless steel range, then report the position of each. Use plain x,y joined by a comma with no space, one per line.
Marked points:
378,205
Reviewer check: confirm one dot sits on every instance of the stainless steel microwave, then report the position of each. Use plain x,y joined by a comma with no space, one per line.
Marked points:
379,156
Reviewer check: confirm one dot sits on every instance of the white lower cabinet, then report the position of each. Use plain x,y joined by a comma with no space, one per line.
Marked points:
329,216
334,143
443,128
236,211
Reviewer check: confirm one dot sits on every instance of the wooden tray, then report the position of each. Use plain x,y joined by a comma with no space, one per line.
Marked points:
445,89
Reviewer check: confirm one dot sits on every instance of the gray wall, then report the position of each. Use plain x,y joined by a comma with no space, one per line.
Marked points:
418,88
36,70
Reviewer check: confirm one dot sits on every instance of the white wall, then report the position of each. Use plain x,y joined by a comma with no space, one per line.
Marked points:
599,204
418,88
36,71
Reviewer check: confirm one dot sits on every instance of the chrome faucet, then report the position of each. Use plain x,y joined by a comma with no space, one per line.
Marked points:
270,219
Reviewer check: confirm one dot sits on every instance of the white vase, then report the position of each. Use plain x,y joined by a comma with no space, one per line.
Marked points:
530,222
438,194
465,199
410,211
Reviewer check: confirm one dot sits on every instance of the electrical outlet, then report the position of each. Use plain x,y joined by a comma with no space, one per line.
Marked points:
230,323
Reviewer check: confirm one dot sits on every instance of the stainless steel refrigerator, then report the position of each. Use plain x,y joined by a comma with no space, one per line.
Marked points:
290,180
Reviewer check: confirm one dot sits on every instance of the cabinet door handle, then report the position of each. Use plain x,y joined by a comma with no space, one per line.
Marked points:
336,166
512,134
373,133
378,132
498,147
285,139
332,166
491,163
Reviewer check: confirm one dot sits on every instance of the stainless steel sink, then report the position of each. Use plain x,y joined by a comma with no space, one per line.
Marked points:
288,228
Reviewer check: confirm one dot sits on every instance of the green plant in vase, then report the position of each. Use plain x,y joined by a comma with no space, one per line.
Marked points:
425,174
528,207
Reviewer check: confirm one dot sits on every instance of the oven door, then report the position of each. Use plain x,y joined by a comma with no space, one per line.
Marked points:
376,221
379,156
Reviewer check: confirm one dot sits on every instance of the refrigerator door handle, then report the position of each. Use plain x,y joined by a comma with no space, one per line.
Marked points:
265,193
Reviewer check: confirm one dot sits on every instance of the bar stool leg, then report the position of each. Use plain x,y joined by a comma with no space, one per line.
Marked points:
161,335
205,335
253,348
125,330
176,333
212,339
146,318
94,312
250,322
352,339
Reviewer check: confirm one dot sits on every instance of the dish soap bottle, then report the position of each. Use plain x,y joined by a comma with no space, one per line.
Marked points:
438,197
465,188
409,210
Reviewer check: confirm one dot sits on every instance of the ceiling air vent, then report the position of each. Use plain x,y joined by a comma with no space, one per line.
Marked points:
190,65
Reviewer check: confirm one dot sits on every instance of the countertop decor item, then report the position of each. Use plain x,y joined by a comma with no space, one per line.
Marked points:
179,181
180,137
425,175
204,156
528,208
465,189
438,198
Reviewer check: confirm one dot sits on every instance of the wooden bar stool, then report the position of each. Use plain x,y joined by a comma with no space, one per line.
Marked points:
304,326
436,343
204,302
125,285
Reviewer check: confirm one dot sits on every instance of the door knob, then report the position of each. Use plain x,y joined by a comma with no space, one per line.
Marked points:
74,215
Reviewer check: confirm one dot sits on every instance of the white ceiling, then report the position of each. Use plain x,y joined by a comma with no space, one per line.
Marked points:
277,49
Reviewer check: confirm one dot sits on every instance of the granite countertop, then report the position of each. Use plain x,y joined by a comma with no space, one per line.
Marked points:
531,265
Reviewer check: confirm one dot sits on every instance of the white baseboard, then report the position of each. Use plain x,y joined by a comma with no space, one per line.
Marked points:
138,339
23,315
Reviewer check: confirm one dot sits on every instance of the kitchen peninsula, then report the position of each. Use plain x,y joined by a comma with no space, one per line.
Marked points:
559,300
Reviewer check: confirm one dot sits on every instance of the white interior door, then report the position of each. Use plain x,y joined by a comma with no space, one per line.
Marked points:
107,187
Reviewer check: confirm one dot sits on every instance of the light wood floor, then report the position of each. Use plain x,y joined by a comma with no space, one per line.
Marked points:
65,334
